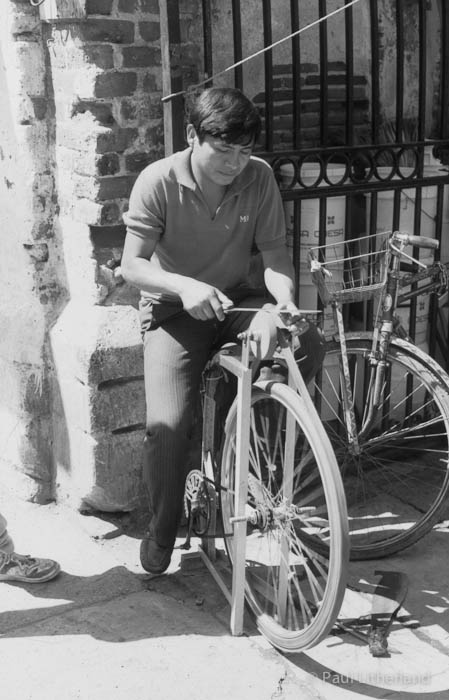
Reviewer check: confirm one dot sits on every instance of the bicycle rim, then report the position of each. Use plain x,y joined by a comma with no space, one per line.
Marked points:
297,544
396,483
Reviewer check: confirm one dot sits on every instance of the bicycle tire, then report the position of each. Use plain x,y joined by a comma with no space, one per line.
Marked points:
397,484
293,588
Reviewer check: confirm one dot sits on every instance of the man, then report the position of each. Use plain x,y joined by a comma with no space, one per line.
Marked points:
194,219
19,567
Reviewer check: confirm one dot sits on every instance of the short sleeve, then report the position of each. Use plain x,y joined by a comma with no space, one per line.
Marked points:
145,217
270,224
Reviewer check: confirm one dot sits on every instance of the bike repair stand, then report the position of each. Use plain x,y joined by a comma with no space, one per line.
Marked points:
239,367
259,342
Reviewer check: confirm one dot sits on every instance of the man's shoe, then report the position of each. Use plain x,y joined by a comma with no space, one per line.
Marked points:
26,569
154,558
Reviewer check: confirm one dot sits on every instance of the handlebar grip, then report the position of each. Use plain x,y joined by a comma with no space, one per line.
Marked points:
419,241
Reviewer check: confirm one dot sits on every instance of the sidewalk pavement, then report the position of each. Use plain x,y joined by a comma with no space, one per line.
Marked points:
105,630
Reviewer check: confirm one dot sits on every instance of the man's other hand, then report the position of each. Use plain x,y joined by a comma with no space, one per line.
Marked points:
203,301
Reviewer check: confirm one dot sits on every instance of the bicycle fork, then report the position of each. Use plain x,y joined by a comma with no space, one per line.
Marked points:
379,349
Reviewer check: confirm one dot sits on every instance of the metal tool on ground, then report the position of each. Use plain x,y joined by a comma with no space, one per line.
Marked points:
388,598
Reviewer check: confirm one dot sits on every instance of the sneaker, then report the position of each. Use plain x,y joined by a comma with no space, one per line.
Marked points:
154,558
26,569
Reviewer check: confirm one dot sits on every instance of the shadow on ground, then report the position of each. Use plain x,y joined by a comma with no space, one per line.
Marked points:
118,606
418,643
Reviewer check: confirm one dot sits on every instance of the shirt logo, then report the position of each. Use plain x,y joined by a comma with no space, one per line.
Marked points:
244,218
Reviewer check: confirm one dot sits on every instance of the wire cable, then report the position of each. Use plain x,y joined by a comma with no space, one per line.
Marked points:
261,51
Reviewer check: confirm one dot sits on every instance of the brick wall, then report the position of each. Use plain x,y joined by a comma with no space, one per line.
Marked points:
310,104
81,117
106,79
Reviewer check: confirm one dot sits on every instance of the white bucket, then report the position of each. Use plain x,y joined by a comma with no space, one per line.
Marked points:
421,320
310,211
308,294
385,203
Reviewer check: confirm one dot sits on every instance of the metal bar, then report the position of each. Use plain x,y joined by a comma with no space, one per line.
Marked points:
297,246
399,70
237,34
287,495
444,82
373,214
349,48
415,253
360,188
322,221
396,209
268,64
324,79
349,208
422,15
444,121
207,39
433,310
170,36
375,62
296,74
241,493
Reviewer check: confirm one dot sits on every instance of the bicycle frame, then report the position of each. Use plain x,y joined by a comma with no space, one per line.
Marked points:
382,333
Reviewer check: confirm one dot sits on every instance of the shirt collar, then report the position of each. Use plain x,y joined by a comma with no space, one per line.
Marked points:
183,172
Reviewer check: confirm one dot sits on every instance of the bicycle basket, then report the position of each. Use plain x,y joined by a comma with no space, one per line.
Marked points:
352,270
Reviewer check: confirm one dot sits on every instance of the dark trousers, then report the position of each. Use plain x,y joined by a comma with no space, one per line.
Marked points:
175,354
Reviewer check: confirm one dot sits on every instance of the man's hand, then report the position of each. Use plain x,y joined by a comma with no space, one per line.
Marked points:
204,302
291,316
289,309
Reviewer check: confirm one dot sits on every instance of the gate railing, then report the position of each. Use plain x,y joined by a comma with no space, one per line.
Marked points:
374,113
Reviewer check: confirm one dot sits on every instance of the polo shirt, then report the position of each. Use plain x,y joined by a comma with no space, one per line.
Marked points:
167,206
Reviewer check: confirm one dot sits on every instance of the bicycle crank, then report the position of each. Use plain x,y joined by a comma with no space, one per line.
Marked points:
197,502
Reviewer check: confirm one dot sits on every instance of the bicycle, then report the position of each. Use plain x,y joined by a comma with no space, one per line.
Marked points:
276,484
383,401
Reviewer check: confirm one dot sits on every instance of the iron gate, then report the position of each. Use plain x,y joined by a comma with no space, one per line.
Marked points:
355,112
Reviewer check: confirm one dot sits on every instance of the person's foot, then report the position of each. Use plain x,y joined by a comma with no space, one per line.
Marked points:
154,558
26,569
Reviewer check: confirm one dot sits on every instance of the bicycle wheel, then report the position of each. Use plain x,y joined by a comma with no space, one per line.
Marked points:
396,479
297,539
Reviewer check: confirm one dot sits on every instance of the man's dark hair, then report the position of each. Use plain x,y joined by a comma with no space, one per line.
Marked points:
224,113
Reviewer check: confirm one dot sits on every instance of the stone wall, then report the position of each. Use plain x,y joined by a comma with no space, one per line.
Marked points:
83,118
106,75
32,289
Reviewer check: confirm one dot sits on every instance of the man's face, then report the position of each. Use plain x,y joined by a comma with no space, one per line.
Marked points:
217,160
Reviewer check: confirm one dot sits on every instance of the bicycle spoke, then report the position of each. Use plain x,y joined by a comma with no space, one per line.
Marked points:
402,455
287,580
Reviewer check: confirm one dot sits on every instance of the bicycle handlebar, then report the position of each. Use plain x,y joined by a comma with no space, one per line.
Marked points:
418,241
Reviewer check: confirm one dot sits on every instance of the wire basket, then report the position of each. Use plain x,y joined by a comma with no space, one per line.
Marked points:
352,270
